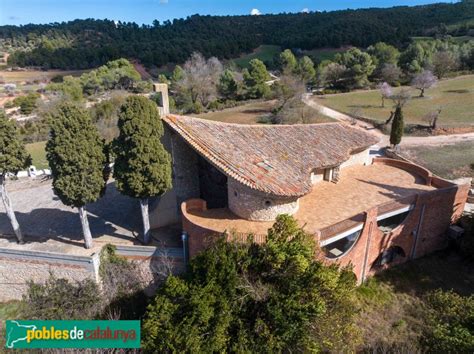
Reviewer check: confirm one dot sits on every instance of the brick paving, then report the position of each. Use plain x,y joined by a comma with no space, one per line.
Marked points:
360,188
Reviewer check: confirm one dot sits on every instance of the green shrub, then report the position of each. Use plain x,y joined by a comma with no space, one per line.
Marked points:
60,299
451,322
243,297
27,103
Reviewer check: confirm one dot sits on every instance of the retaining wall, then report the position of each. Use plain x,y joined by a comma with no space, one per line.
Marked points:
18,267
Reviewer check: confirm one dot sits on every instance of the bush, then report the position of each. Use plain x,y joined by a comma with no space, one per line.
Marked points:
122,286
60,299
120,296
27,103
451,320
244,297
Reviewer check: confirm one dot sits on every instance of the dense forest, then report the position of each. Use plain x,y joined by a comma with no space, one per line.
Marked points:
89,43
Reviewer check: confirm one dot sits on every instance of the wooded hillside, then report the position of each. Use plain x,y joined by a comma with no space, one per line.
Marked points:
89,43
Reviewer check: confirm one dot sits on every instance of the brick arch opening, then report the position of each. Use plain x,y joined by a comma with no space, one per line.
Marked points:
392,255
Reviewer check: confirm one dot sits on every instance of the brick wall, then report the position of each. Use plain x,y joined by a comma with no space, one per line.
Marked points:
422,231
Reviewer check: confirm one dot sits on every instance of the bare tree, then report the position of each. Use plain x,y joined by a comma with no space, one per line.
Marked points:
391,73
385,92
401,98
332,74
289,91
200,78
424,81
432,118
443,63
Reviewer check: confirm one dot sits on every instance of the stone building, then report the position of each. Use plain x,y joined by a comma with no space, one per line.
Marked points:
232,179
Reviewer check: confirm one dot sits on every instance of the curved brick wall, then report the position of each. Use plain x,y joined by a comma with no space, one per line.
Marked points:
199,237
407,166
253,205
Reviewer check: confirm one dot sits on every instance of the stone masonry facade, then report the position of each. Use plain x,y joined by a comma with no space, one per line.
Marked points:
253,205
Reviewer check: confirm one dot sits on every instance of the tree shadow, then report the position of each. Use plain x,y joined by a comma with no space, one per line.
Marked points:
364,106
458,91
63,226
117,209
396,191
113,215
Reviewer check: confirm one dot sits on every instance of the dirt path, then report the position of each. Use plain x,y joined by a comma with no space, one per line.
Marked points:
384,139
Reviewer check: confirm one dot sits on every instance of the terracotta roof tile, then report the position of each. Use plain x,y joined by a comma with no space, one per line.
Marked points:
275,159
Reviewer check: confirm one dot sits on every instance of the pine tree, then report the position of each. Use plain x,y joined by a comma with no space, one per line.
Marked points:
142,165
227,85
396,132
13,158
76,157
255,78
306,69
289,65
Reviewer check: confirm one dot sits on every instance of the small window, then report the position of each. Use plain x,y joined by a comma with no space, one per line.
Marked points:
340,247
236,194
268,203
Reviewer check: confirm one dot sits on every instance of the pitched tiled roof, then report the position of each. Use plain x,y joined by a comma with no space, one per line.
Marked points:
275,159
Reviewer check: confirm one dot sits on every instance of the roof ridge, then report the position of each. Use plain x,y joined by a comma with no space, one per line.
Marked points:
253,125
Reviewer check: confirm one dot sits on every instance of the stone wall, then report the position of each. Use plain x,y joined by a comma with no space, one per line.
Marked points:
253,205
165,209
358,158
17,267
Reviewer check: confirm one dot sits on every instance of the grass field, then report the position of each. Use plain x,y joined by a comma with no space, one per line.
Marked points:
264,53
391,304
252,113
20,76
38,154
454,96
324,53
448,161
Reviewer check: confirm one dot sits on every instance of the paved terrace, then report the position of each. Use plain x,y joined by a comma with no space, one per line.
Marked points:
360,188
49,225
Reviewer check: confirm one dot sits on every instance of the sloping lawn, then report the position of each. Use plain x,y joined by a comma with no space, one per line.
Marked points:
38,154
255,112
264,53
448,161
454,96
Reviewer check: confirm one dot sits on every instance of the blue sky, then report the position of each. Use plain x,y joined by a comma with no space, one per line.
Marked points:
145,11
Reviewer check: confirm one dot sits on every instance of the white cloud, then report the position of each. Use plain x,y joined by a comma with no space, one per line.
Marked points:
305,10
255,12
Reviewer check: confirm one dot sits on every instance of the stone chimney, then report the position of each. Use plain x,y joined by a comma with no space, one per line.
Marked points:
162,89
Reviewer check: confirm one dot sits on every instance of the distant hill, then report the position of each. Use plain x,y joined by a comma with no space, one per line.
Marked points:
82,44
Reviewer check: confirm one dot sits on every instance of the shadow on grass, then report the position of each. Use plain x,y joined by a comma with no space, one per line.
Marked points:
445,270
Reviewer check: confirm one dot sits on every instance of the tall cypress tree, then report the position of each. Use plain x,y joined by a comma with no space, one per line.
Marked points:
142,165
76,157
396,132
13,158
